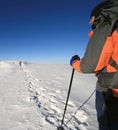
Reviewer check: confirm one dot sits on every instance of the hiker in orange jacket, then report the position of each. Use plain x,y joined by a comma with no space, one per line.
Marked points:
101,58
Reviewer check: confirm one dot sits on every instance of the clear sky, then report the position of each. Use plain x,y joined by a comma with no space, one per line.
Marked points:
44,30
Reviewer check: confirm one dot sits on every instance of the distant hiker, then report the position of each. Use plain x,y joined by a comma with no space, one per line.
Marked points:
20,63
101,58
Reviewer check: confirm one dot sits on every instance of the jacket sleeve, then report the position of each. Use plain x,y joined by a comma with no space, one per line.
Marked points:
93,52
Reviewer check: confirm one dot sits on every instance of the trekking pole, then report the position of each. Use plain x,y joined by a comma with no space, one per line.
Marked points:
62,121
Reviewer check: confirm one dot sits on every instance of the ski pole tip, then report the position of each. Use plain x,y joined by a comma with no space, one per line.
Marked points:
60,128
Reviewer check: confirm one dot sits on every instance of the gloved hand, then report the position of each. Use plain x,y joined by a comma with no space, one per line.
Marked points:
75,57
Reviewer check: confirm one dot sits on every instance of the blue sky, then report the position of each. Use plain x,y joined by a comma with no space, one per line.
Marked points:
44,30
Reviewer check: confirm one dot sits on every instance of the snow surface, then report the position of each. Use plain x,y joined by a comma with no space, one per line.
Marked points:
33,96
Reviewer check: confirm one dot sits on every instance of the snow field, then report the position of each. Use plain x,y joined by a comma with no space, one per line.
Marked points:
33,98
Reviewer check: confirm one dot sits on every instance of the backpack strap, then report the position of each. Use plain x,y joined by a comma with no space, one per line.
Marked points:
113,64
115,24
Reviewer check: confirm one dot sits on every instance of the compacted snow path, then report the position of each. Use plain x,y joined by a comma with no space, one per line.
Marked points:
15,108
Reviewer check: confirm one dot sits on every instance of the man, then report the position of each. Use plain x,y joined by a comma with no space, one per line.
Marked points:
101,58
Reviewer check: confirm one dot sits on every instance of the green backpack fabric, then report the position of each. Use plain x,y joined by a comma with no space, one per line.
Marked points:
106,13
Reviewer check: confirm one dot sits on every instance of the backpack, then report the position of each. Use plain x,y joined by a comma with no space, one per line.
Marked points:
106,13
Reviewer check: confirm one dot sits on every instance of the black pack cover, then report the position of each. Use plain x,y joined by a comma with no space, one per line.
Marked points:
108,7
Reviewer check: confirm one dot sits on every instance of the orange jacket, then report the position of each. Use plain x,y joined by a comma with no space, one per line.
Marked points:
98,53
